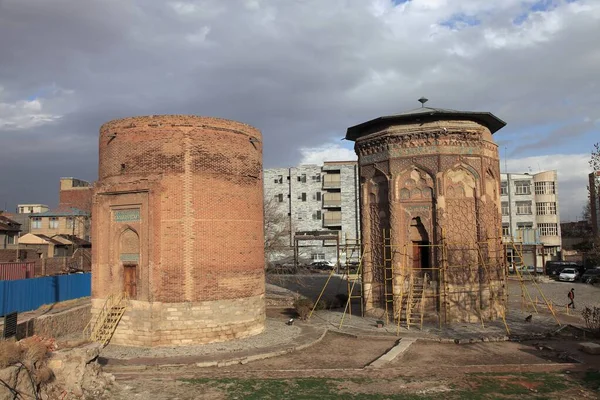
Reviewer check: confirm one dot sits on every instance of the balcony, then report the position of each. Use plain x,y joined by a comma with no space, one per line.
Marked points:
332,203
332,219
332,181
526,236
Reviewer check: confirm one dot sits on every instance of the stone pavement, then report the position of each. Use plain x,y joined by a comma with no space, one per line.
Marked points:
277,339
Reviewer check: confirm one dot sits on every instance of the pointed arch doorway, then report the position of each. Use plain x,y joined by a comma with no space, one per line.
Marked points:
130,258
421,248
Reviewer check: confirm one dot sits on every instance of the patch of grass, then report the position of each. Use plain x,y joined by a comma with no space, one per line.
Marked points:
592,379
300,389
534,385
471,386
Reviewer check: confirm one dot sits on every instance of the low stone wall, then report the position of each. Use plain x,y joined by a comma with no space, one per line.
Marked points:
58,324
156,324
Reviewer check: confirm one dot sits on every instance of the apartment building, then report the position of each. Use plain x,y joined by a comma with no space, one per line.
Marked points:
312,200
530,215
71,221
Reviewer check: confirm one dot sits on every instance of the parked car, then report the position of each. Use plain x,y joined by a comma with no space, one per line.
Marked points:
568,275
323,265
554,268
591,276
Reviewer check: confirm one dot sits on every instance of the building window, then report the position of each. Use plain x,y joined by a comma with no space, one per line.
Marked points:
53,223
317,215
318,196
545,188
302,178
548,229
70,223
11,239
302,197
279,198
505,230
524,225
316,178
36,223
522,187
317,256
505,208
279,179
523,207
545,208
503,188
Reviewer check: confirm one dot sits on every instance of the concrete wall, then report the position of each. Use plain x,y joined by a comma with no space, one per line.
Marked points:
58,324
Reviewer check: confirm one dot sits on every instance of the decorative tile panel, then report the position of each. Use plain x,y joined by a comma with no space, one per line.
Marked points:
130,257
127,215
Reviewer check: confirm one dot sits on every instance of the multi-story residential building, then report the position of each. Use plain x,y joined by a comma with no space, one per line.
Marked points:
9,233
61,222
530,215
312,199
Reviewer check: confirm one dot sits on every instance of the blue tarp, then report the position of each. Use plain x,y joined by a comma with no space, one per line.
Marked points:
28,294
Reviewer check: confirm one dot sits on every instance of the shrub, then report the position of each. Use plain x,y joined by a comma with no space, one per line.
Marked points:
591,316
303,307
10,353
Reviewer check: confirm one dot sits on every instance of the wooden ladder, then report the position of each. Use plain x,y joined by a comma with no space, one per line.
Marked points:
413,308
104,325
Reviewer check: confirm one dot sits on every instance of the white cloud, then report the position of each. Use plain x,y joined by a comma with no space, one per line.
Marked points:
24,114
326,152
572,170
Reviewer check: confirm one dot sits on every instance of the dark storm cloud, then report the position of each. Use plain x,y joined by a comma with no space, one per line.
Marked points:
300,71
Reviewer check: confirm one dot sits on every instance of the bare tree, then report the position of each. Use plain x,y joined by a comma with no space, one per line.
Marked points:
595,159
277,229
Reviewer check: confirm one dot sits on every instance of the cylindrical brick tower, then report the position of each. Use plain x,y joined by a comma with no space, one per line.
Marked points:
178,226
430,215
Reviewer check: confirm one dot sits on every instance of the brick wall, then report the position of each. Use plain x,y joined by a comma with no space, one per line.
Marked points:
189,189
79,197
9,255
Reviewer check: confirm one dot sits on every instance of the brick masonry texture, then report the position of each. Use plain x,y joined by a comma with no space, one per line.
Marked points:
189,190
80,198
434,182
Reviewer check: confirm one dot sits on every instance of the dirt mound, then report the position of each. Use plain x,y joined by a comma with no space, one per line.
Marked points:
33,368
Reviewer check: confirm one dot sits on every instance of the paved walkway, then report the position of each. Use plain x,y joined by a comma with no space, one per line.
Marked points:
264,345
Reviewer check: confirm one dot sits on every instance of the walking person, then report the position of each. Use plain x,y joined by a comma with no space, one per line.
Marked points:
571,297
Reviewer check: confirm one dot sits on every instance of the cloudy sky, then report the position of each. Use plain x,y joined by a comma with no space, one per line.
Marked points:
301,71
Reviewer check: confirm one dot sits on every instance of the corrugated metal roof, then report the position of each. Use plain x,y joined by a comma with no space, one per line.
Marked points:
487,119
61,213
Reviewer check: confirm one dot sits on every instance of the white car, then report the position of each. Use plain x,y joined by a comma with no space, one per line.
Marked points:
568,275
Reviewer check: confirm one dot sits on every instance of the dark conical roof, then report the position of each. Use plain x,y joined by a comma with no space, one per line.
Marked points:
487,119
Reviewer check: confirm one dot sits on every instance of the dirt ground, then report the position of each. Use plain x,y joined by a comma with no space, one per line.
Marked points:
544,368
333,369
424,354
